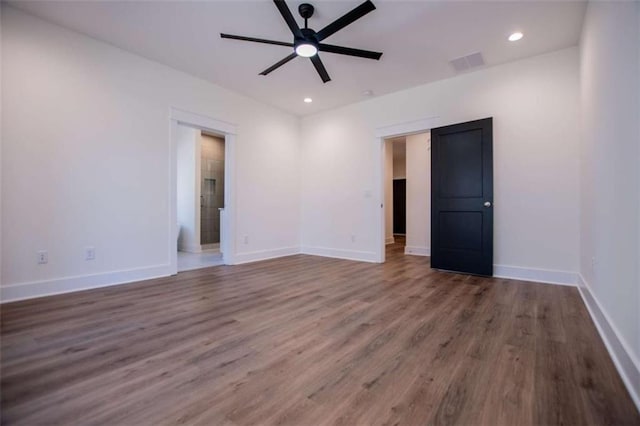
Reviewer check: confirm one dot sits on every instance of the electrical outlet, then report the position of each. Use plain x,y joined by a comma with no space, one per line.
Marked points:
246,239
43,257
89,253
353,238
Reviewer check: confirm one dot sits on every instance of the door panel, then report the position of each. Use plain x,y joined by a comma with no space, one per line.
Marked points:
458,230
461,161
399,206
461,185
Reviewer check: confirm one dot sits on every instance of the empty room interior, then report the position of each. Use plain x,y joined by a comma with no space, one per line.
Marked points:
320,212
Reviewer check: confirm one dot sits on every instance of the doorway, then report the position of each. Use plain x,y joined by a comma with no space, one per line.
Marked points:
399,208
399,173
202,220
407,194
395,192
420,242
200,197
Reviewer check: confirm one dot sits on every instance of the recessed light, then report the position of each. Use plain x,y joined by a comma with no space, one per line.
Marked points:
367,93
515,36
308,100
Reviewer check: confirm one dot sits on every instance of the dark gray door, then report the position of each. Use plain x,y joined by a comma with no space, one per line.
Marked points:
400,206
462,197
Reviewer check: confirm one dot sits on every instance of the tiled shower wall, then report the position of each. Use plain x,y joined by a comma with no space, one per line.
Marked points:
212,188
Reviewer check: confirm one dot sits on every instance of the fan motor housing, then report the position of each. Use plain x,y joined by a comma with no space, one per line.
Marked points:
309,35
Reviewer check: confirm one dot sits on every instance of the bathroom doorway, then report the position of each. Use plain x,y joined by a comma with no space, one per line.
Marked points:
202,165
200,197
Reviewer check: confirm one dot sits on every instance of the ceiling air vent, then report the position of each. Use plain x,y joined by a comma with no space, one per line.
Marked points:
465,63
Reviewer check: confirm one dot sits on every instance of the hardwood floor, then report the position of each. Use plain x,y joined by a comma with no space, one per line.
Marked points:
306,340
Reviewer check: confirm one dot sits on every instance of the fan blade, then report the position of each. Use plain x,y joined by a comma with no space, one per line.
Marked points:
345,20
279,64
256,40
288,18
340,50
324,75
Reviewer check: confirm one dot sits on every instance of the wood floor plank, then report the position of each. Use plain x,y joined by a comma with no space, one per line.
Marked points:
307,340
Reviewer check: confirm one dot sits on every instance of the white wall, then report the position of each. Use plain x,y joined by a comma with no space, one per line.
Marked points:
418,171
1,138
388,191
187,193
87,156
610,177
534,103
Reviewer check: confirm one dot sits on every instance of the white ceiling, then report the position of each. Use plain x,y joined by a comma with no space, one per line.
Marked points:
418,39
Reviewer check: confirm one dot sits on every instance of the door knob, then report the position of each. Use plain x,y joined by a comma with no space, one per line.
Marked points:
487,203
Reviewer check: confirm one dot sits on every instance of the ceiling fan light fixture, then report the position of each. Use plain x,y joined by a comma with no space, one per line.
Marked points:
307,42
306,49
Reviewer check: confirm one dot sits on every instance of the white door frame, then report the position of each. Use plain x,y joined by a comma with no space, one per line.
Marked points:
382,133
228,222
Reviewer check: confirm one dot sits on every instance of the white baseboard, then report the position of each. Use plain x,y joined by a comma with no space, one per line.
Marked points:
389,240
255,256
536,275
623,358
364,256
213,246
417,251
190,248
30,290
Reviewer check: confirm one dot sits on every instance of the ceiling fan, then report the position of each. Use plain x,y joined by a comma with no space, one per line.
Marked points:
307,42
